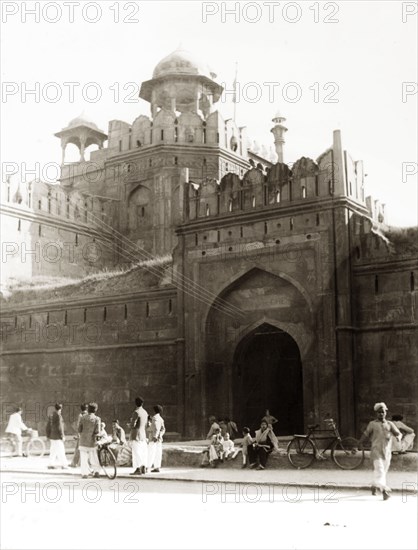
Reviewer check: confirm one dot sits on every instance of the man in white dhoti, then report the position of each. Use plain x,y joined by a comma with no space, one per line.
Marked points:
138,438
380,433
155,446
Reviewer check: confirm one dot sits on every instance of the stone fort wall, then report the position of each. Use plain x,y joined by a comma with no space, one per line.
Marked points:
108,349
299,247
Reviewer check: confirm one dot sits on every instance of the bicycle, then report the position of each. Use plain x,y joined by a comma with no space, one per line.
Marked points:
32,447
303,449
107,460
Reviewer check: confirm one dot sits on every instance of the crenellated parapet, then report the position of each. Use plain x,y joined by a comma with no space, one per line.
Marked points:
277,186
52,231
52,202
376,209
185,129
374,242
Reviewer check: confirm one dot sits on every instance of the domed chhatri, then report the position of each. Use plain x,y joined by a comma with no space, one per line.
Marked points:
81,132
82,120
278,117
180,82
182,62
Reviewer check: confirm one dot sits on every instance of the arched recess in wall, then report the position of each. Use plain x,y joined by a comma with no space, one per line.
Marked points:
261,294
138,206
263,298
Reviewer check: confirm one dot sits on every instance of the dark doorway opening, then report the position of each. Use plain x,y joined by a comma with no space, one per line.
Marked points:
267,374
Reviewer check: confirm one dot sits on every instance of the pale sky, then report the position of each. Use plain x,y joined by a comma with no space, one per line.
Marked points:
361,61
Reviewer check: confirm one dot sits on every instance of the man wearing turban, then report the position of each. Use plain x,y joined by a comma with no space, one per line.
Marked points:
380,433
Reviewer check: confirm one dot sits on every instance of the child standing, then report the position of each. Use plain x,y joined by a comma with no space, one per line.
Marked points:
246,442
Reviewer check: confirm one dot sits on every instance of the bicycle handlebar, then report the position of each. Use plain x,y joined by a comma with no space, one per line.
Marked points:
329,421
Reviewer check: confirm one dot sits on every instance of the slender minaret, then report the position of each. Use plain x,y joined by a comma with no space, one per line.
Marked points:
235,92
279,131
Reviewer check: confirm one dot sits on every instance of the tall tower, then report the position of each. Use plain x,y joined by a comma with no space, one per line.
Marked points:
279,131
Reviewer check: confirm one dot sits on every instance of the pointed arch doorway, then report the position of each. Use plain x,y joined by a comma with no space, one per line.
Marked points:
267,374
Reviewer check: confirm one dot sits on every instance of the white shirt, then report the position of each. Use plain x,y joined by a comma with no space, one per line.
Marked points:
228,445
15,425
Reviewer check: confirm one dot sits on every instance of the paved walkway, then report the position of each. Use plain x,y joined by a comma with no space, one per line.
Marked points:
360,479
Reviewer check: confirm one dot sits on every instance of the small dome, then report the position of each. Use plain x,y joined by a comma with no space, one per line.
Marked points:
182,62
82,121
278,116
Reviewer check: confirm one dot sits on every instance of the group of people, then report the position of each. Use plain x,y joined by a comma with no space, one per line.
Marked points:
146,436
91,432
144,447
255,451
147,452
145,439
386,437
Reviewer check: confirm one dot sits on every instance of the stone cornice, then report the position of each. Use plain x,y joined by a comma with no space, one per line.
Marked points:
377,328
60,304
93,347
175,148
385,266
45,219
294,208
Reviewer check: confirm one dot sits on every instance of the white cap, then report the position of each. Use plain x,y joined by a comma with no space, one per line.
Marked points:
380,406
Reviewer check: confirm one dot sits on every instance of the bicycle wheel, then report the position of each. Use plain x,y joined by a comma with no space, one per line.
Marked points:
35,447
346,454
107,461
301,452
6,447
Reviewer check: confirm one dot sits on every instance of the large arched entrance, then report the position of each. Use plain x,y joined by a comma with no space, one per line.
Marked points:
267,374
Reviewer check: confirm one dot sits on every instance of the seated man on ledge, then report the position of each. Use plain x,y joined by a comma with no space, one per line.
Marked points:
118,438
265,442
408,436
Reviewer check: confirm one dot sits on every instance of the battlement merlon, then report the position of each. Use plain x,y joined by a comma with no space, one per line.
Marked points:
334,175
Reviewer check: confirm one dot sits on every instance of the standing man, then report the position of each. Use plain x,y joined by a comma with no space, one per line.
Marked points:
89,428
138,437
55,433
380,433
15,426
269,418
155,448
76,458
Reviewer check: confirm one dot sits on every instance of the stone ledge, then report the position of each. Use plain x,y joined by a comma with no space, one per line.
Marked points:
191,456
